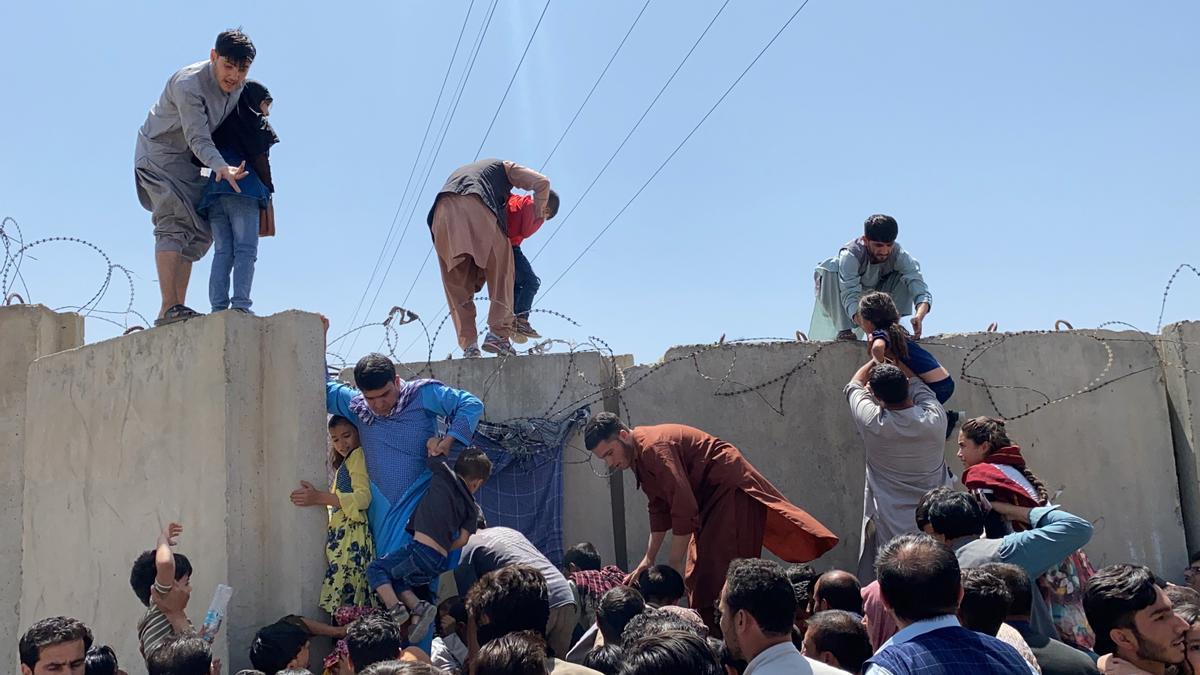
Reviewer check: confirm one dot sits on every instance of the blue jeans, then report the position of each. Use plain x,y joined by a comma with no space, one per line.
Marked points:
525,283
414,565
234,222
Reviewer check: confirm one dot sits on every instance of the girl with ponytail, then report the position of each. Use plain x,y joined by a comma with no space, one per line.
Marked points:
880,320
995,469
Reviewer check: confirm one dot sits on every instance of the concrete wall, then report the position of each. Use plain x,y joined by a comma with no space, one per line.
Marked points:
1109,451
26,333
1179,346
210,423
213,422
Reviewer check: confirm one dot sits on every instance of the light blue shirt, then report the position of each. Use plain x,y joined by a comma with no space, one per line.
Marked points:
915,630
784,659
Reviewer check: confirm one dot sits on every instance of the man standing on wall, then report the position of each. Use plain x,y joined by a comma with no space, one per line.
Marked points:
873,262
469,225
716,504
194,103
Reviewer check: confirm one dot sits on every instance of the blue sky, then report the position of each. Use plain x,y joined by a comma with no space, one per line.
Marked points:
1041,158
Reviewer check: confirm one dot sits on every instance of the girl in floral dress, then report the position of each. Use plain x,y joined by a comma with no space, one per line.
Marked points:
349,548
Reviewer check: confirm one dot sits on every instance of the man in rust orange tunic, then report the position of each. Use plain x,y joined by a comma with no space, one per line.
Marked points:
715,503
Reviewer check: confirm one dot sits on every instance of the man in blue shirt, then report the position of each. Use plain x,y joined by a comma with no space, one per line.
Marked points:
920,581
956,519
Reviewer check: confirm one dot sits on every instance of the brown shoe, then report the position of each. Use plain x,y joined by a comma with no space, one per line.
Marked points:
522,328
847,336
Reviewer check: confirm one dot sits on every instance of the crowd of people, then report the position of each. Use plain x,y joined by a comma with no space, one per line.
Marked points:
990,579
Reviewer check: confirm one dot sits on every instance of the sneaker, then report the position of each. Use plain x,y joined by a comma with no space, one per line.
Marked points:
471,352
399,614
522,329
494,344
423,615
847,335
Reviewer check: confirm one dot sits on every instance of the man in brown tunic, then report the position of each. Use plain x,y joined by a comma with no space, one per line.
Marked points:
715,503
469,224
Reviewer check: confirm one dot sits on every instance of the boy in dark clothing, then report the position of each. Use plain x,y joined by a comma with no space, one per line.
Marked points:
446,517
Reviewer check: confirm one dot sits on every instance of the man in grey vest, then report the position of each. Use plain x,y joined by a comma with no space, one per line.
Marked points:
469,225
873,262
179,128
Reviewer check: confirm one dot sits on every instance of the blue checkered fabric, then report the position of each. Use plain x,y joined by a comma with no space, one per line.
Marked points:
951,651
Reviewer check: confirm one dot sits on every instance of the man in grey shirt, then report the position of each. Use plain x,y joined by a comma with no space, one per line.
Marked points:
491,548
177,130
903,428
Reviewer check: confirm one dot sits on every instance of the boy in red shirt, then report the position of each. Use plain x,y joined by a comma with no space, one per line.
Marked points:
522,223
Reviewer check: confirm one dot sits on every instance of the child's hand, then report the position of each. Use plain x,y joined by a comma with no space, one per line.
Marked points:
439,446
324,322
170,534
306,495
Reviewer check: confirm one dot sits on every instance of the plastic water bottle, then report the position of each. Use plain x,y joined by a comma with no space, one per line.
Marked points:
216,613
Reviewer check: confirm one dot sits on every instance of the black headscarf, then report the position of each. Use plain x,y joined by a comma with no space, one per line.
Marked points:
246,129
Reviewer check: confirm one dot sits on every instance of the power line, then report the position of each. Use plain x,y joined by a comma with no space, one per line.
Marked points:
413,170
443,130
511,80
629,135
593,89
611,158
677,148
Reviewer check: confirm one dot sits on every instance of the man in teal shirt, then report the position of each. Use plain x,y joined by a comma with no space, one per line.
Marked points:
873,262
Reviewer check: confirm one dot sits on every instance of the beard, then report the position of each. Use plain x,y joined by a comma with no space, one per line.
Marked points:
1159,653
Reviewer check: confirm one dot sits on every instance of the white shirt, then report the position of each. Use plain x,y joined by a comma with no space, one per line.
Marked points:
448,653
785,659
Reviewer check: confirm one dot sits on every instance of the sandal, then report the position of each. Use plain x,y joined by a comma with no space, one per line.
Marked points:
175,314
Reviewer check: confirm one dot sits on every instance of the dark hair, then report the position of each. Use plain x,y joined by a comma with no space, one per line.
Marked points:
881,228
601,427
584,556
1020,588
842,634
371,639
335,420
513,598
335,458
802,576
1113,596
1179,595
839,590
879,308
889,383
141,577
606,658
724,655
187,654
473,464
520,653
669,653
985,601
394,667
761,588
455,606
48,632
236,46
101,660
373,372
275,646
660,585
918,576
954,514
1194,557
991,430
552,205
655,621
921,513
616,607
